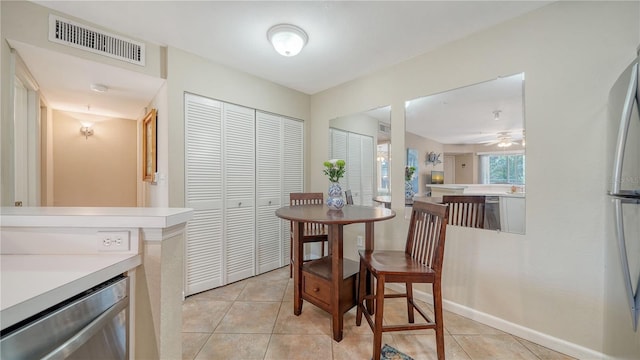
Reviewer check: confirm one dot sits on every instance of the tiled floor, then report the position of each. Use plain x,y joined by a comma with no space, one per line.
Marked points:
253,319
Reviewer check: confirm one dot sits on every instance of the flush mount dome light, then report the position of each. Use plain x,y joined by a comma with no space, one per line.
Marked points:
287,39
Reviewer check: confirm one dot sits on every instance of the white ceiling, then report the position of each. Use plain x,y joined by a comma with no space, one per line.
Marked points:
466,115
347,39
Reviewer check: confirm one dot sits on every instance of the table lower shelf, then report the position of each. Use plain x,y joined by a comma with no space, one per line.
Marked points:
317,285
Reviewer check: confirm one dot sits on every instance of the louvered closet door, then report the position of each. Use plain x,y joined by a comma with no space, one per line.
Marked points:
203,184
338,150
292,174
269,190
239,181
354,167
368,169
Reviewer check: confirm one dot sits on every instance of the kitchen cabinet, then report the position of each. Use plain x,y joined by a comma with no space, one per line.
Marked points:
512,214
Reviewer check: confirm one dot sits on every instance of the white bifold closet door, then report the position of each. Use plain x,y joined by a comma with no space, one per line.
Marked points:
220,187
269,189
358,151
239,191
240,166
204,193
292,175
279,155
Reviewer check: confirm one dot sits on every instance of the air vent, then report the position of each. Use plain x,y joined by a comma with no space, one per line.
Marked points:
66,32
384,128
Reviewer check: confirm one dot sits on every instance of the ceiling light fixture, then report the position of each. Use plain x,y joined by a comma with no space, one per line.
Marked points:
287,39
99,88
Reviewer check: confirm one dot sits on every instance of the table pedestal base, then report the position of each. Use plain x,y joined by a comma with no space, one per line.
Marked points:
317,288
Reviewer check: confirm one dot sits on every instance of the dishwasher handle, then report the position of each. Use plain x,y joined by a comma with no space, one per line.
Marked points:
79,339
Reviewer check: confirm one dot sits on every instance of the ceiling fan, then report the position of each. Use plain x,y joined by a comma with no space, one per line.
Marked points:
503,140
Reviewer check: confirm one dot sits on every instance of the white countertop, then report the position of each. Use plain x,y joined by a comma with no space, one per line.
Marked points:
94,216
32,283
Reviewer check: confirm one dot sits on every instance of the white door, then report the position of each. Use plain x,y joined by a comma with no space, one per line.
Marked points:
204,189
26,136
449,169
269,143
239,191
292,174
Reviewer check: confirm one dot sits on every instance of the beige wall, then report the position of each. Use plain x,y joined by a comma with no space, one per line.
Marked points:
98,171
424,146
28,22
547,285
466,169
193,74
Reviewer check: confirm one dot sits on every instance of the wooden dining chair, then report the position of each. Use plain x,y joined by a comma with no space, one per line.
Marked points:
349,197
420,262
465,210
313,232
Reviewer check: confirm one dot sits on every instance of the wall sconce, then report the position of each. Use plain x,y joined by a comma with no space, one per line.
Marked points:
86,130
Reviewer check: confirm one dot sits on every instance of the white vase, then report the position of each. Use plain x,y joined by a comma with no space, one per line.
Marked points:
408,190
335,200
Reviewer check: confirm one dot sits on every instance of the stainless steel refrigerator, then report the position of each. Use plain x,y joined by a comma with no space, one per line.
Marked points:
622,243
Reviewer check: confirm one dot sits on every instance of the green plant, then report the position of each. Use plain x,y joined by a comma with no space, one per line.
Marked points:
334,169
408,172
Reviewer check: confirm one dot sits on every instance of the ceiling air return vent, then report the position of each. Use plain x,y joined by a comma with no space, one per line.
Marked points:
384,128
67,32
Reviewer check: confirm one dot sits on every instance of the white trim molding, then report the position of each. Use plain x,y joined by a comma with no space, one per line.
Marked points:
532,335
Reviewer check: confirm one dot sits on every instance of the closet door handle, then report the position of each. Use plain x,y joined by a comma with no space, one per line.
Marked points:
240,204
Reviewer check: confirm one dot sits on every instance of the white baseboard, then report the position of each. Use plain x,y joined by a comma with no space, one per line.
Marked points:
535,336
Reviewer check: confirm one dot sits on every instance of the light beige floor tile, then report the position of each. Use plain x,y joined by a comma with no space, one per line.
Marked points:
277,274
494,347
312,320
357,346
423,347
249,325
203,316
249,318
224,293
349,323
192,343
299,347
288,294
460,325
542,352
271,290
234,347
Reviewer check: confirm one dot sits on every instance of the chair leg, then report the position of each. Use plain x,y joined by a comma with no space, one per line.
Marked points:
290,257
438,318
377,331
410,312
362,279
322,246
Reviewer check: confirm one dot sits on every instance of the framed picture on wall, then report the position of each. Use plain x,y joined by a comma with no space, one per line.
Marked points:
149,146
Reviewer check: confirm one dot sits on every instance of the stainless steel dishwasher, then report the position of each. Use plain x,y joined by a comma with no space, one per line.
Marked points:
91,325
492,212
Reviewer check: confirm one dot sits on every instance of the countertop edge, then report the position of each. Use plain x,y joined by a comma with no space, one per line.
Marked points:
34,305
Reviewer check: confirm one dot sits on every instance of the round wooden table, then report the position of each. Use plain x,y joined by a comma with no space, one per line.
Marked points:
314,280
386,200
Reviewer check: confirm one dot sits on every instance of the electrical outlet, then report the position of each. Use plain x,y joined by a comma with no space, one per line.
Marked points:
113,241
360,241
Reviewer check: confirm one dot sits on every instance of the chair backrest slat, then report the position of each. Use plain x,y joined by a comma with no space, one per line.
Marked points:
466,210
315,198
427,230
349,197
